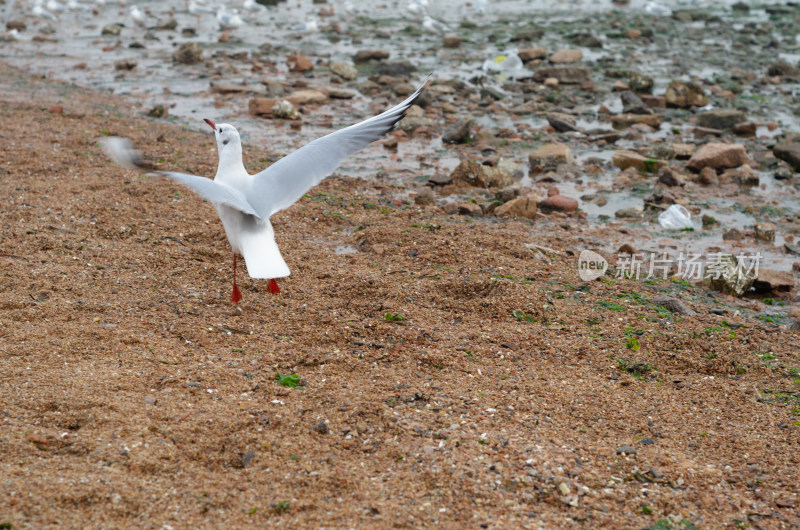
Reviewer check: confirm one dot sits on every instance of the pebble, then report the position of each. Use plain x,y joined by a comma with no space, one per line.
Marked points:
451,40
721,119
789,153
112,30
567,75
549,157
520,207
320,427
773,280
682,95
634,212
559,203
424,197
566,56
346,71
299,63
718,156
459,133
625,159
674,305
531,53
365,56
188,53
626,450
472,173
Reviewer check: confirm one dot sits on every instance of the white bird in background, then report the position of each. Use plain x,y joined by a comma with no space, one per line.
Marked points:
228,21
253,6
306,28
40,12
138,16
74,5
431,25
99,3
245,202
657,10
480,6
417,8
54,6
197,9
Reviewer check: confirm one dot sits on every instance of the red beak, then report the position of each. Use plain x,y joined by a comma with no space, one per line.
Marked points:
210,123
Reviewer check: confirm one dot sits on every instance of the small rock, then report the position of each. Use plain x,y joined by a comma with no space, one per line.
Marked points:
18,25
634,212
633,104
451,40
674,305
647,441
340,93
623,121
166,24
765,232
549,157
469,208
723,119
472,173
346,71
507,194
625,159
248,457
683,95
150,400
559,203
733,234
626,450
158,111
551,82
586,39
772,280
459,133
112,30
532,53
397,68
561,122
718,156
188,53
783,69
55,109
641,84
566,56
321,428
668,177
285,110
365,56
745,128
726,275
563,489
424,197
708,177
520,207
126,64
566,75
789,153
299,63
782,173
307,97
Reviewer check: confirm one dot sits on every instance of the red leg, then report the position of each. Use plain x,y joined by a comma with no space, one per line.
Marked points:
272,286
236,295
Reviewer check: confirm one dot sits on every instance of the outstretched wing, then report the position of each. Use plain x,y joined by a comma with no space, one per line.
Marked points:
213,191
284,182
121,151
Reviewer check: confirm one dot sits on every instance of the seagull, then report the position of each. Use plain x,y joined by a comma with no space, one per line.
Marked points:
306,28
657,10
431,25
138,16
40,12
230,20
253,6
245,202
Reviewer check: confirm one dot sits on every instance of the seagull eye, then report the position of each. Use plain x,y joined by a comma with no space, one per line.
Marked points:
225,142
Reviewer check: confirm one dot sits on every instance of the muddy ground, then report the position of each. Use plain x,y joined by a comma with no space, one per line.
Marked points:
454,371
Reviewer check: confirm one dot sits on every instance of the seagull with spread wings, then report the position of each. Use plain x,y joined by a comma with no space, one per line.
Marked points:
245,202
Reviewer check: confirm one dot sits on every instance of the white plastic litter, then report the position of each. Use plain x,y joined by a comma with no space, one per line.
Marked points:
676,217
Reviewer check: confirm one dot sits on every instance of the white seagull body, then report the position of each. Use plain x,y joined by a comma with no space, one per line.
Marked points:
245,202
230,20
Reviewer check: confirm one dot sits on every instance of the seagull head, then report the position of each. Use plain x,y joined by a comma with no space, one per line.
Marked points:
227,136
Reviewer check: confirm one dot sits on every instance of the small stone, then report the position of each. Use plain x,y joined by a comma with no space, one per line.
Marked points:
633,104
625,159
561,122
683,95
248,457
623,121
472,173
307,97
520,207
460,132
299,63
321,428
508,193
566,75
674,305
532,53
150,400
112,30
668,177
765,232
126,64
566,56
708,177
626,450
365,56
772,280
158,111
340,93
346,71
647,441
785,502
633,33
469,208
18,25
718,156
782,173
166,24
424,197
723,119
745,128
188,53
728,276
451,40
634,212
549,157
551,82
397,68
789,153
55,109
733,234
563,489
285,110
559,203
626,249
783,69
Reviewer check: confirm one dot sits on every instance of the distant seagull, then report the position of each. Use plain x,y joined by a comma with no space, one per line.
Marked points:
306,28
54,6
253,6
245,202
480,6
40,12
138,16
74,5
229,21
431,25
417,8
657,10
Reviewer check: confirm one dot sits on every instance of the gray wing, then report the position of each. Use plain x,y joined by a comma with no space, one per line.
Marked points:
213,191
284,182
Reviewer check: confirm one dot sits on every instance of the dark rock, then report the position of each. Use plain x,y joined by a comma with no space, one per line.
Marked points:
789,153
188,53
674,305
772,280
424,197
126,64
733,234
641,84
586,39
321,428
745,128
112,30
626,450
782,173
669,177
784,69
646,441
683,95
18,25
723,119
472,173
459,133
561,122
567,75
248,457
632,104
167,24
365,56
397,68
